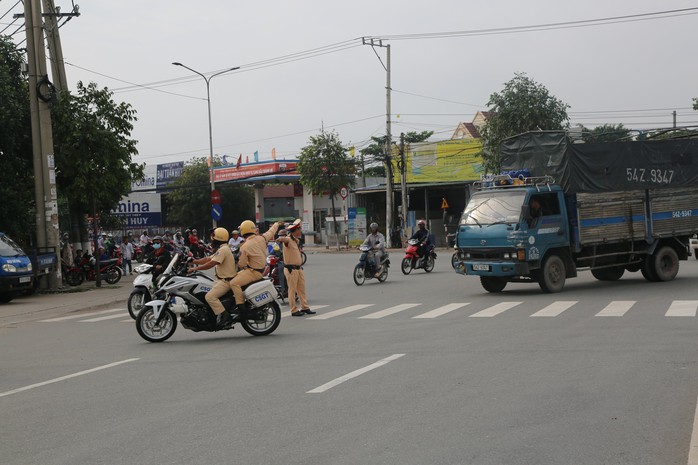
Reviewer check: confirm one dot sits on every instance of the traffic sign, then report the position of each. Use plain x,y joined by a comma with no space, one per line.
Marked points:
215,197
444,204
216,212
343,192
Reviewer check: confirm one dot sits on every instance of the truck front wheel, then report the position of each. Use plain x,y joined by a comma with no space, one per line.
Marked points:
493,284
552,276
666,263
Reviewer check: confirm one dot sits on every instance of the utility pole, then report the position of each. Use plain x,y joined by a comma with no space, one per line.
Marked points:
53,42
41,92
403,185
388,140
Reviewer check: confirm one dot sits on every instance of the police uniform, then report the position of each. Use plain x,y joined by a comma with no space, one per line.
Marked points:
253,259
293,272
225,272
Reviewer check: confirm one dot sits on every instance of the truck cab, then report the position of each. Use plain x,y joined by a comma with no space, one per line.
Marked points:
15,269
508,230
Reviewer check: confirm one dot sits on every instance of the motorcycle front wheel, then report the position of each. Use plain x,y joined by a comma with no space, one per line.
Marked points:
112,275
151,332
359,275
136,301
406,266
262,321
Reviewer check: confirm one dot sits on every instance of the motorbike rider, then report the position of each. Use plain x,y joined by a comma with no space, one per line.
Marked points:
280,263
422,235
178,242
376,241
253,257
159,258
145,240
224,262
235,238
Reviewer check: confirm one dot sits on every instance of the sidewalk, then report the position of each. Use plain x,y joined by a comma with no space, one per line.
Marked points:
67,300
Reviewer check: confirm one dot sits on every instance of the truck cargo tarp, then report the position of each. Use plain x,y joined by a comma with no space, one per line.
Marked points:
603,166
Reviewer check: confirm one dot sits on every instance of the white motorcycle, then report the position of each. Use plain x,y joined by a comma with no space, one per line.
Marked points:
157,322
143,288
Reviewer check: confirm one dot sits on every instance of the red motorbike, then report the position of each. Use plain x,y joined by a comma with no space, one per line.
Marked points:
413,261
86,271
271,271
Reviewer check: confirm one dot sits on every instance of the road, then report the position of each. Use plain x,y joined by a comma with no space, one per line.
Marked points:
421,369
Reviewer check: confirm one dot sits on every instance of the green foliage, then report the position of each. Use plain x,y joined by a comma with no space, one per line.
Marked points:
606,133
414,137
189,202
17,206
522,106
324,165
93,148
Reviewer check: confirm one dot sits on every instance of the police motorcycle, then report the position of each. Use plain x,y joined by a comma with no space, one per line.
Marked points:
366,268
157,322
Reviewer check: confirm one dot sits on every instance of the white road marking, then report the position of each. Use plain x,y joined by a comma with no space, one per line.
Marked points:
353,374
495,309
683,308
341,311
313,307
389,311
82,315
63,378
555,308
102,318
617,308
693,448
441,310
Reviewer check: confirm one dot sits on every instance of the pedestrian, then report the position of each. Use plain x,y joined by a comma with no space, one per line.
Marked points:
126,256
253,257
293,271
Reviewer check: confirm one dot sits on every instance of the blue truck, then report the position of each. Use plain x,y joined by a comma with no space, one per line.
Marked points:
16,270
609,208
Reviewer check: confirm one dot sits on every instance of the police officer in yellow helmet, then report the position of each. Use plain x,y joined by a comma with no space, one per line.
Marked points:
253,257
224,262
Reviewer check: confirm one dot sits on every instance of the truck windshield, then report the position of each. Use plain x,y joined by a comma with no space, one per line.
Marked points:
8,248
497,207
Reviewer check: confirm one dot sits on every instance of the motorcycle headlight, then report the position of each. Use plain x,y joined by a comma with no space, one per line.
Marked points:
268,259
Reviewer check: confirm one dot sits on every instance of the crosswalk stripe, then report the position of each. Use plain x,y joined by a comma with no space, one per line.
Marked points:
102,318
389,311
495,309
341,311
683,308
82,315
617,308
442,310
555,308
312,307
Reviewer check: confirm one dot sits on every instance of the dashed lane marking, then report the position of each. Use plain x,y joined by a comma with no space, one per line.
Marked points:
683,308
441,311
341,311
353,374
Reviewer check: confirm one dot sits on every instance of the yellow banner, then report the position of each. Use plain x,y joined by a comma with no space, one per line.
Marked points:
445,161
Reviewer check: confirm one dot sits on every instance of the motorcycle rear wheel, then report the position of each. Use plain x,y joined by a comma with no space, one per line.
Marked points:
136,301
148,330
112,275
406,266
74,278
429,267
359,275
263,321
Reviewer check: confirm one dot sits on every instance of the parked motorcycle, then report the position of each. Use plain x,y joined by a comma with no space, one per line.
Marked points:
366,268
412,261
157,322
86,271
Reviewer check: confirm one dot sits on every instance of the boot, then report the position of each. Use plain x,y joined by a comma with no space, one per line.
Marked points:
224,319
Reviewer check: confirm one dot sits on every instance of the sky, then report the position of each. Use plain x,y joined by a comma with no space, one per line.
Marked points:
634,71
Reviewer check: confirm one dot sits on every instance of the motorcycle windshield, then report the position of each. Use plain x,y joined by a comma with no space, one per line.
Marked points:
173,262
493,207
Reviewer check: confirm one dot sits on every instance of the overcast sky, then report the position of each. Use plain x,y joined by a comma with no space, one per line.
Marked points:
634,72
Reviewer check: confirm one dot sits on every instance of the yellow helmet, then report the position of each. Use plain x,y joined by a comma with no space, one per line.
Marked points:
247,227
220,234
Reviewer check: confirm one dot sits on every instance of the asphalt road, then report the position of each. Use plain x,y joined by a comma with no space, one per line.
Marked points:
421,369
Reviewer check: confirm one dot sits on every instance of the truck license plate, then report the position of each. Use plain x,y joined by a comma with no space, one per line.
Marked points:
25,279
481,268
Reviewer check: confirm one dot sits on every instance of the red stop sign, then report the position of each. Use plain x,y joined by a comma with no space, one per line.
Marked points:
215,197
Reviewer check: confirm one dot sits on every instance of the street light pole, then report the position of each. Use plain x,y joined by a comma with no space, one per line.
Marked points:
210,126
